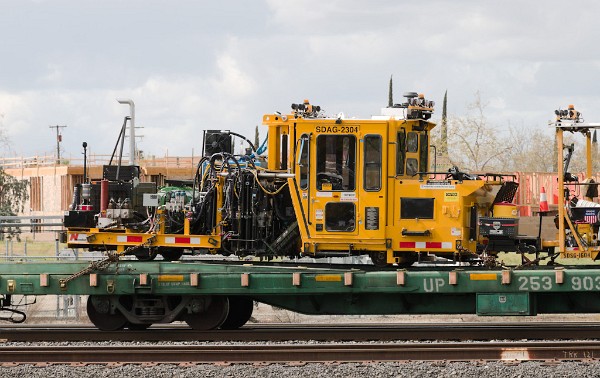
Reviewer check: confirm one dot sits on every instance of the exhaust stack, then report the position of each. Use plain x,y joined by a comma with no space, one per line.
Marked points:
131,129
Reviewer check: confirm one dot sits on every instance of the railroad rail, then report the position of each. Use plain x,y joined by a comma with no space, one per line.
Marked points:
300,353
320,332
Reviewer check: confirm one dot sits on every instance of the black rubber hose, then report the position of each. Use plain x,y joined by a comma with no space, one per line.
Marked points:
244,138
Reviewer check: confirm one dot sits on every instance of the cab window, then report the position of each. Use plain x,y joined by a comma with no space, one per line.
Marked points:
412,142
339,216
424,153
400,151
372,163
336,159
412,166
303,161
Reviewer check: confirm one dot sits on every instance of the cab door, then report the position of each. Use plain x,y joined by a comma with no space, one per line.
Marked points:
335,202
372,187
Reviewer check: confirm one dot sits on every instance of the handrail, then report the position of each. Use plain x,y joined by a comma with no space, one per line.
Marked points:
23,217
33,221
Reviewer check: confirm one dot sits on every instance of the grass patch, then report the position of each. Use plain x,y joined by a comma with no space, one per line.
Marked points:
30,248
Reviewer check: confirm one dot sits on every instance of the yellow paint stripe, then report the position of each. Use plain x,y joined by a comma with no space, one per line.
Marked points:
170,278
328,278
483,276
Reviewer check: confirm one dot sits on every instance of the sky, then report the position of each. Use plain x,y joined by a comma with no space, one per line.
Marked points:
196,65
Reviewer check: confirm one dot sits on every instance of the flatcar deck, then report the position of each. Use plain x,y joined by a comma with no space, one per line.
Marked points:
326,290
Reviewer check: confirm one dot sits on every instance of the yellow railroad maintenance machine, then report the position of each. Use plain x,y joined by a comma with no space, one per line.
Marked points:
329,186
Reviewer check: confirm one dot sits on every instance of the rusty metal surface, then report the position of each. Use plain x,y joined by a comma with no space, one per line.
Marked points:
289,353
320,332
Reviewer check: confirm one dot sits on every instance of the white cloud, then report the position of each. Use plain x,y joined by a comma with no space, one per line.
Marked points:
221,66
232,82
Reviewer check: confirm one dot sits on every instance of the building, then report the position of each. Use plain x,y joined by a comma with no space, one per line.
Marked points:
51,184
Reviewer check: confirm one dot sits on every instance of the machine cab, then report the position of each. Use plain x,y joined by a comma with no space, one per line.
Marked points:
344,169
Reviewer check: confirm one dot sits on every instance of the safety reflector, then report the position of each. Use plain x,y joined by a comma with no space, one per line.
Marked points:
426,245
129,239
482,276
170,278
181,240
328,278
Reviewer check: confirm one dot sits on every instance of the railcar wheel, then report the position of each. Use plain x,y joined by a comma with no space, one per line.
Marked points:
379,259
407,259
98,310
146,254
240,311
171,254
207,312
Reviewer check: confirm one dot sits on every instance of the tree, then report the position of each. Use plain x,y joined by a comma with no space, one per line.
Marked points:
530,150
4,140
444,127
13,195
578,161
439,139
256,138
595,162
390,94
13,192
474,144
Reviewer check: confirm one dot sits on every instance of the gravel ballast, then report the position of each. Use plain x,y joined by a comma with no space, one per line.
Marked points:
400,370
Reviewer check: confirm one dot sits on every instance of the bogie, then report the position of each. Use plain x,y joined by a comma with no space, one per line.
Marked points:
138,312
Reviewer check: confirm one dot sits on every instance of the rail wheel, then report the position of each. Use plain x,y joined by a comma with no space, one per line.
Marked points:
240,311
146,254
98,310
171,254
207,312
379,259
407,259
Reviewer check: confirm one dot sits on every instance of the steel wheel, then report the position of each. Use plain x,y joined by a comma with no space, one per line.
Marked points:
379,259
98,310
211,313
240,311
171,254
146,254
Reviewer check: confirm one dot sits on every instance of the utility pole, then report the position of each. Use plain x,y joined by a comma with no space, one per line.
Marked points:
58,140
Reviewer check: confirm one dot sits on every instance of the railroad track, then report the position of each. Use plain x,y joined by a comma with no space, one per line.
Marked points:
301,353
321,332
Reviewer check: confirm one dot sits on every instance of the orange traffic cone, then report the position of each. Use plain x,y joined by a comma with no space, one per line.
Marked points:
543,201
